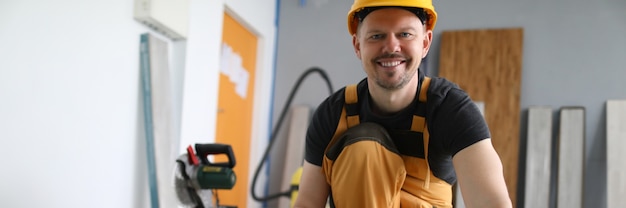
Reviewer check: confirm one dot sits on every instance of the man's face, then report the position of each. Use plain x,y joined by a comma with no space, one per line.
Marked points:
391,43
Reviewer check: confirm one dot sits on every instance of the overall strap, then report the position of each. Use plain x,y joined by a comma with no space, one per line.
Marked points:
349,114
419,123
424,89
352,105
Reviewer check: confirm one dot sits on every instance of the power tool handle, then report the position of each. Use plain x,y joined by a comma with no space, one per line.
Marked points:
204,150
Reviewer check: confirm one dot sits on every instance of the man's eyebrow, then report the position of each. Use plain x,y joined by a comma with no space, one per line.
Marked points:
408,28
373,31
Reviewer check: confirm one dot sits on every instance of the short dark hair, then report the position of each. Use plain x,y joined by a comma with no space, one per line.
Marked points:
419,12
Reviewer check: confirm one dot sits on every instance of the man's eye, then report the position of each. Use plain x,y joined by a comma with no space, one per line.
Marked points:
375,37
406,35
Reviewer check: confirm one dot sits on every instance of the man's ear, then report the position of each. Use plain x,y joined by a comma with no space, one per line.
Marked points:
428,40
357,45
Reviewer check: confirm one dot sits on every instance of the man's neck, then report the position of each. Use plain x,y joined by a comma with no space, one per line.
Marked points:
386,102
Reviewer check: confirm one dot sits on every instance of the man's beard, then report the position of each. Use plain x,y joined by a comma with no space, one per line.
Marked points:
405,77
394,85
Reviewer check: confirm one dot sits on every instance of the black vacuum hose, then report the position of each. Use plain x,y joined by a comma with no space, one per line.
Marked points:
277,128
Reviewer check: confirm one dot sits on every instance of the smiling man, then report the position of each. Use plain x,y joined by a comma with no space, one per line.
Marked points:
398,138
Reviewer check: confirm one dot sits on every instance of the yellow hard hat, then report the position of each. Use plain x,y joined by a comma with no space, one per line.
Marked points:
427,5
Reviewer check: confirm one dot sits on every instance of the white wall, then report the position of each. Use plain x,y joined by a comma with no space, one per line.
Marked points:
71,126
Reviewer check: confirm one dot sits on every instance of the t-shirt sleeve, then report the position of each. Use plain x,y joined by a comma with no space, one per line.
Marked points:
458,121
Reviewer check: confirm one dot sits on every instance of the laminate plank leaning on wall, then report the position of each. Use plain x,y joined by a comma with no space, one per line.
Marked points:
538,157
616,153
571,157
487,64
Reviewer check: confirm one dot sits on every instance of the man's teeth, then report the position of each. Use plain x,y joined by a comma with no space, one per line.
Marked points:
390,64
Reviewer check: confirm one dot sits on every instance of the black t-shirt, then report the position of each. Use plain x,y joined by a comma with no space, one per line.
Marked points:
454,123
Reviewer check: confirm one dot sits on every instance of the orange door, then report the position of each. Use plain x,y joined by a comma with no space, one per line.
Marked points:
235,102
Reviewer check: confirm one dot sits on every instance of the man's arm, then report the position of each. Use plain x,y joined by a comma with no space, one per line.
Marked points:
313,189
479,172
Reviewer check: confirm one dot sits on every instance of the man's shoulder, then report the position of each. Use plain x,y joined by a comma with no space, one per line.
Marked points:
440,88
335,102
444,94
442,85
338,98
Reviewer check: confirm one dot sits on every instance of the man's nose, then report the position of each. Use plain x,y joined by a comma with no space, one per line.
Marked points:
392,44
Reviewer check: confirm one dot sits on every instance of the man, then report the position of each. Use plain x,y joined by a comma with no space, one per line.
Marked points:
398,138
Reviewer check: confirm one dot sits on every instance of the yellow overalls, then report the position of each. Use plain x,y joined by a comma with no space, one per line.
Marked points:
364,168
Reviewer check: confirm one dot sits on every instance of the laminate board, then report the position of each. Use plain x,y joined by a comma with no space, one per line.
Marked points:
571,143
294,156
616,153
538,157
487,64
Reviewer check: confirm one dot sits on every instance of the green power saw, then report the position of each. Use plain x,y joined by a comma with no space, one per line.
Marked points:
196,177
